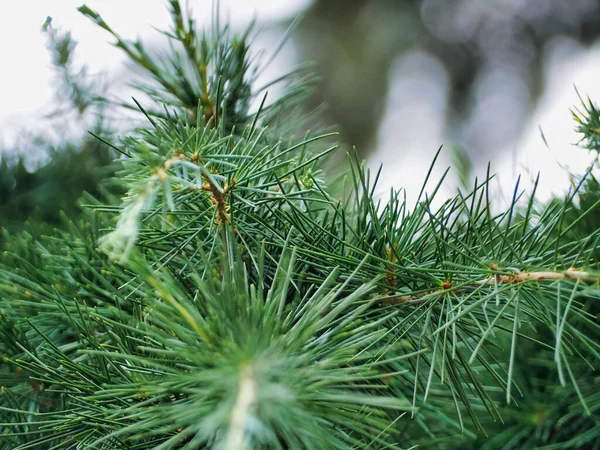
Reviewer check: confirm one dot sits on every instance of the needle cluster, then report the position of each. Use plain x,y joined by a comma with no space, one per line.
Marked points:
241,297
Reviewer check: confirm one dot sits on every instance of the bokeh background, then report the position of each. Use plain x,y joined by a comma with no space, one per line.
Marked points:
491,80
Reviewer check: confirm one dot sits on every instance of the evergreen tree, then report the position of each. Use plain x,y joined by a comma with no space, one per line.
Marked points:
239,297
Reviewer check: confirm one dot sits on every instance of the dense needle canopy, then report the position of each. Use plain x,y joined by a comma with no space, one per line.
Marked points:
240,296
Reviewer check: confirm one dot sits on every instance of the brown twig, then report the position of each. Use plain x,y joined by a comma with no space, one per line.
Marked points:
520,277
219,196
569,274
218,200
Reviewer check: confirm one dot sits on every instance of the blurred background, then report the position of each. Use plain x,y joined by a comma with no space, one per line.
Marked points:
490,80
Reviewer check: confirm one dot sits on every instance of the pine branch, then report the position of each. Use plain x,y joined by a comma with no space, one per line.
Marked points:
205,77
519,277
248,301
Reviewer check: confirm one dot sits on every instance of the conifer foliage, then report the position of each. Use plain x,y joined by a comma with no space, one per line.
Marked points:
238,297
